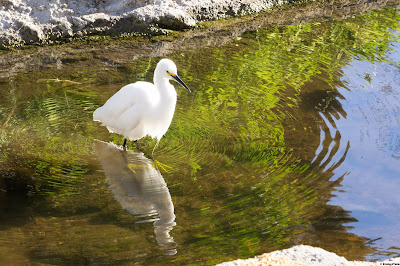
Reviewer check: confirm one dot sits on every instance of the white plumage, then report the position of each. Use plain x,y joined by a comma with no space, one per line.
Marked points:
142,108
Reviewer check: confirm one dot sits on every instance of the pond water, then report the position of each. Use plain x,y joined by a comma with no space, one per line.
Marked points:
291,136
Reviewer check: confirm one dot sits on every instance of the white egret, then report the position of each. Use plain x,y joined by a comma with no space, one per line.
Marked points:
142,108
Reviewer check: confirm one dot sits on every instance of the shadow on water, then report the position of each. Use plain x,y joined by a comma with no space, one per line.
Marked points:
275,147
139,187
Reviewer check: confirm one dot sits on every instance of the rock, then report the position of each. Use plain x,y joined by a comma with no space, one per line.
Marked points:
264,260
41,21
392,261
303,255
311,255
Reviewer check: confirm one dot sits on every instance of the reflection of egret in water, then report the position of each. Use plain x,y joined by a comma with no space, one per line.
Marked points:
140,189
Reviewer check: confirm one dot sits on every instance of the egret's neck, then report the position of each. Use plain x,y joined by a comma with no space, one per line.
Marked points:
165,88
167,92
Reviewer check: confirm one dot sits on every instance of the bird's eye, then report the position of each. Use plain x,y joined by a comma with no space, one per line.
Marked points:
170,74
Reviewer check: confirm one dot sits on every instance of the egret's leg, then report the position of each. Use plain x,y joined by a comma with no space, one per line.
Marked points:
124,145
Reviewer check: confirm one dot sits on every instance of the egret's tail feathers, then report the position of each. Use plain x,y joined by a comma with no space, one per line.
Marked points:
97,114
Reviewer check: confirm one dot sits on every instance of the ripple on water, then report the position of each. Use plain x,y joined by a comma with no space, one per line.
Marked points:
372,97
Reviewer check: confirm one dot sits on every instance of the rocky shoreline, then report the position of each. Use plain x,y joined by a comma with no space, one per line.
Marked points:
25,22
42,21
213,33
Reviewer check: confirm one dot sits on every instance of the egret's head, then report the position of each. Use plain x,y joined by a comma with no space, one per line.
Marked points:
167,69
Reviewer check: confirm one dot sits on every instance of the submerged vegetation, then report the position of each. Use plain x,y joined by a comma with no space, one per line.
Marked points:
238,157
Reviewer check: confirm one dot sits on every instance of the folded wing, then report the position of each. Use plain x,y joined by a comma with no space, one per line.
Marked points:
126,108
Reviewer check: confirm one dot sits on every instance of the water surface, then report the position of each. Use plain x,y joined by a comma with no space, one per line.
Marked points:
291,136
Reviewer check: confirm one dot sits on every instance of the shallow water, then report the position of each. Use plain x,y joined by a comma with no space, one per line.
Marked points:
291,136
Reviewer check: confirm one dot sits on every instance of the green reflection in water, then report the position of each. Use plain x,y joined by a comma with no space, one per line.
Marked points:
237,158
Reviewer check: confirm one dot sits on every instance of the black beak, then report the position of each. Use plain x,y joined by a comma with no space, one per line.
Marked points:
178,79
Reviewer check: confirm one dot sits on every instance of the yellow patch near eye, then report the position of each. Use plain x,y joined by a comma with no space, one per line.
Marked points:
169,73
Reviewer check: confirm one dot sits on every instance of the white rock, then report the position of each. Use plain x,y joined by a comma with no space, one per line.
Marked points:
302,255
44,19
